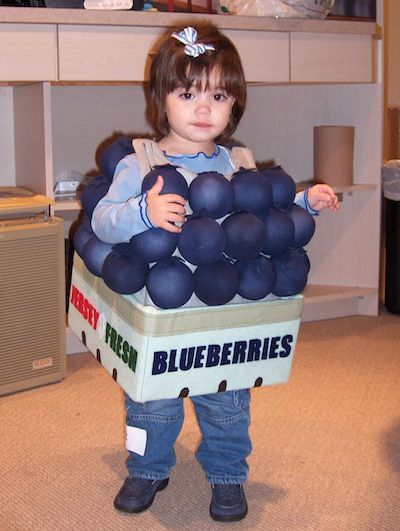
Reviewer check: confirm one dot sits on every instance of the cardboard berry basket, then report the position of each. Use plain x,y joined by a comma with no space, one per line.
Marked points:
154,353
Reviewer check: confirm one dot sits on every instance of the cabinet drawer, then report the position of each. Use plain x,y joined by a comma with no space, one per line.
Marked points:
104,53
28,52
330,58
265,56
120,53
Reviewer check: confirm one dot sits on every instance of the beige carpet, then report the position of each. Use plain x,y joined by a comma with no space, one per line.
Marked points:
326,446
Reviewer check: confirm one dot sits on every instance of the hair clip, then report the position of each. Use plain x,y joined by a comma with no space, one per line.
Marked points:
188,37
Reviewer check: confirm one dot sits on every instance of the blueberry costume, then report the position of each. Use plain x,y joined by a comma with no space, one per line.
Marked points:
153,427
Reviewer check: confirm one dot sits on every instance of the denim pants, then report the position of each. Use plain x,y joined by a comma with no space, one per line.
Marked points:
223,419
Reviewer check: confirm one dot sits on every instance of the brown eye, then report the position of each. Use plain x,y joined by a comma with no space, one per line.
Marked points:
186,95
220,96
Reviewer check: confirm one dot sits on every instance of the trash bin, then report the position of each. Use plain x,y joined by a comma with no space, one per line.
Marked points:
391,193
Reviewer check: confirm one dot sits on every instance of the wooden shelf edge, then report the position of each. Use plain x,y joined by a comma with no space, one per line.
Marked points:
341,189
315,293
67,205
355,188
27,15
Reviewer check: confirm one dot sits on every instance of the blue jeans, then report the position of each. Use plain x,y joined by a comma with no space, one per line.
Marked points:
224,420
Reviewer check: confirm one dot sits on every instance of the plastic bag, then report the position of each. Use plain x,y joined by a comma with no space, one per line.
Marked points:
318,9
391,179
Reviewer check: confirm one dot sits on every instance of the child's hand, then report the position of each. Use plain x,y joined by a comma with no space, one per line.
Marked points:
165,210
322,196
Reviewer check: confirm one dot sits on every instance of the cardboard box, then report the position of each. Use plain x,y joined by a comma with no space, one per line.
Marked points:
154,353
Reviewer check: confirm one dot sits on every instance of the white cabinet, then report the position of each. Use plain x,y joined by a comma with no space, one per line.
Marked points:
104,53
330,58
28,52
259,66
90,68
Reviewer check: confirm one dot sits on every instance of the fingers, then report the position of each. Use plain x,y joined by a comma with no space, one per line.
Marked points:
331,203
174,217
170,227
157,187
175,198
172,211
322,196
334,203
166,211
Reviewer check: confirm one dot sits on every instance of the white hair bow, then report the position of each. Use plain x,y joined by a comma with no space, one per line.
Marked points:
188,37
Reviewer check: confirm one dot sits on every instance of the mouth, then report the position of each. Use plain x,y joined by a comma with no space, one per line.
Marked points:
202,125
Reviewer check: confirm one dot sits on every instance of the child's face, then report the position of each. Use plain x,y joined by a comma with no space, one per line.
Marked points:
198,116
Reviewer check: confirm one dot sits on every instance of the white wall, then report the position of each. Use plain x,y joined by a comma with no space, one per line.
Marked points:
7,167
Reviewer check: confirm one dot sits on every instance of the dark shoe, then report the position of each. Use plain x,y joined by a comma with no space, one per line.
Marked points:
228,503
137,494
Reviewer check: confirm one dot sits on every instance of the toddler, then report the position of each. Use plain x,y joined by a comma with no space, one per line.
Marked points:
197,96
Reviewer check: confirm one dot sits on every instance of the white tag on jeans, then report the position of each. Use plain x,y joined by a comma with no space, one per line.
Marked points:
136,439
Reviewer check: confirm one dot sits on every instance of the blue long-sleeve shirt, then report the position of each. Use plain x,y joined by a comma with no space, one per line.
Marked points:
122,212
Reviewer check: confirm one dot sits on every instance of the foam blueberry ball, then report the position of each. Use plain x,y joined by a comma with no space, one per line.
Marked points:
279,232
303,253
252,192
174,182
201,241
211,194
292,269
283,187
256,277
170,283
123,271
304,226
217,283
82,235
94,254
96,188
113,153
245,235
154,244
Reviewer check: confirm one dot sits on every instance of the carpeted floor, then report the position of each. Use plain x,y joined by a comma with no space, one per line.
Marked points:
326,447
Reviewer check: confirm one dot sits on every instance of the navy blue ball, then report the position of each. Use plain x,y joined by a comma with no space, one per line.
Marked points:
170,283
113,153
211,194
256,277
292,269
81,236
216,283
279,232
124,272
245,235
174,182
252,192
304,255
96,188
304,225
154,244
283,187
202,241
94,254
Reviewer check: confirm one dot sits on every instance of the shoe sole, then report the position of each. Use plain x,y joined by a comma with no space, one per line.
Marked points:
228,517
142,508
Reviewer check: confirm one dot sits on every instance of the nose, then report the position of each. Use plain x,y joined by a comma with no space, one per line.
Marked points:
203,104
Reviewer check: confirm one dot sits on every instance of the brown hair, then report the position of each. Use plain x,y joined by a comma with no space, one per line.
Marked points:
172,68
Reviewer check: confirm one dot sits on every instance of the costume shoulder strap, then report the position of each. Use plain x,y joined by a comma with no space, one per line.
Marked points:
148,154
243,158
